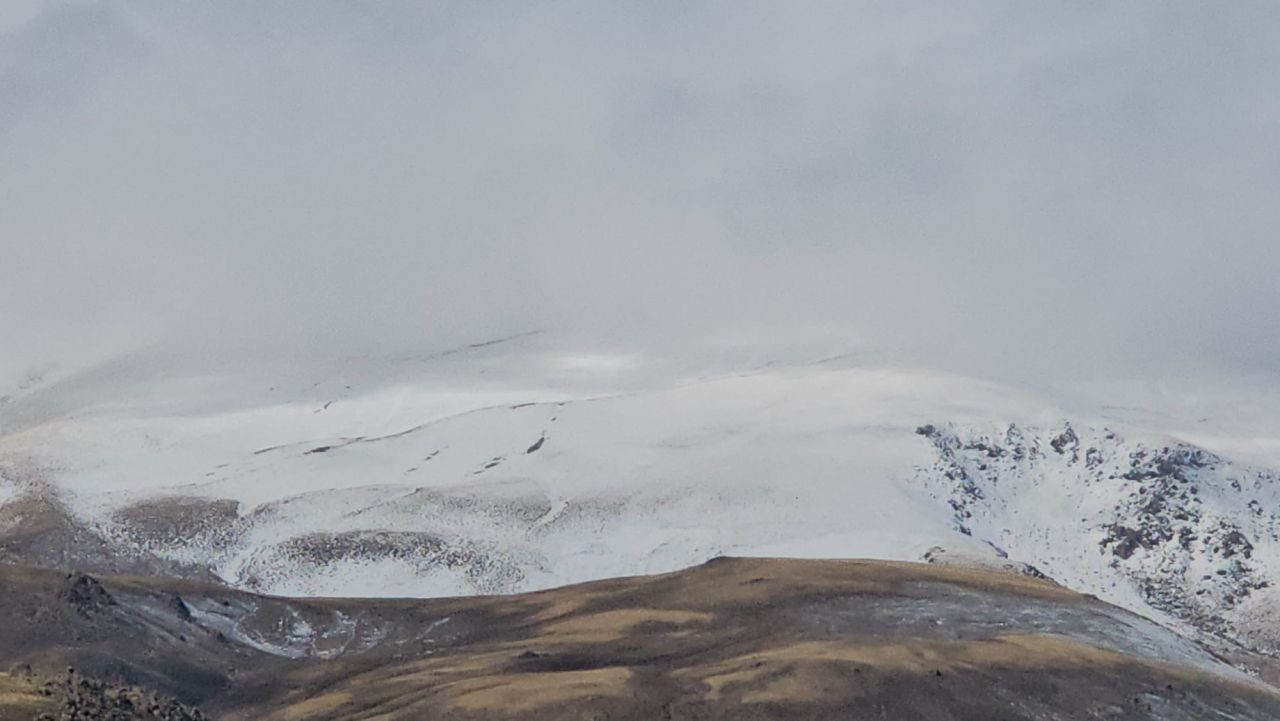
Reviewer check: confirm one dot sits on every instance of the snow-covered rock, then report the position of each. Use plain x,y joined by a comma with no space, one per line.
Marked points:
511,466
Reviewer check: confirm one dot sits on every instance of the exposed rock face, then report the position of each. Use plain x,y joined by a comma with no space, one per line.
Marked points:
85,594
1194,535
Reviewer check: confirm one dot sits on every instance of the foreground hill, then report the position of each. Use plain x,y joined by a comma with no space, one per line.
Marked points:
731,639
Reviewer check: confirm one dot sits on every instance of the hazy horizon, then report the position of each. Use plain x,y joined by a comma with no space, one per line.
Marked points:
1025,189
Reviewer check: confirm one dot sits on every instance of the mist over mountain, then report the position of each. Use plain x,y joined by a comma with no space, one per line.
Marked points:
1047,190
684,360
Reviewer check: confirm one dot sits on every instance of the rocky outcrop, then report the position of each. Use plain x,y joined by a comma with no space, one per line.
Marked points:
85,594
1189,533
80,698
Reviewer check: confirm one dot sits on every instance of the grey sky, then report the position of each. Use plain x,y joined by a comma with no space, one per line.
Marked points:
1031,185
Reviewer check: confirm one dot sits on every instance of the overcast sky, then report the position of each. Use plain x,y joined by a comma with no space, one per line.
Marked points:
1053,185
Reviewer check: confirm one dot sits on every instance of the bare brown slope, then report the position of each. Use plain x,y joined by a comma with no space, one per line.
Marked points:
732,639
20,699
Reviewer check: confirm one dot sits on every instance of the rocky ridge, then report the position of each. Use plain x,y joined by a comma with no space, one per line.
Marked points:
1191,534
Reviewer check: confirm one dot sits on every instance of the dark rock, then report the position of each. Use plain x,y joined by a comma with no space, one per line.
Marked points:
1066,441
85,594
178,606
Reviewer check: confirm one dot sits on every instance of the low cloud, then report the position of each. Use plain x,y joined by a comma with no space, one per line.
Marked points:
1033,188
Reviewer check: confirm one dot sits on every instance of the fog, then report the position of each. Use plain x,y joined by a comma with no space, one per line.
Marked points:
1030,188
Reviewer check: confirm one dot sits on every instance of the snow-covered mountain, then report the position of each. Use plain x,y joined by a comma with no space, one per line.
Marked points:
515,465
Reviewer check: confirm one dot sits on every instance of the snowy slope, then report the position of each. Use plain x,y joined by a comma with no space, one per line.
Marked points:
514,465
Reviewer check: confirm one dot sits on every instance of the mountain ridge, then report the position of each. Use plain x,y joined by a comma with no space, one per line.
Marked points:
487,481
731,638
